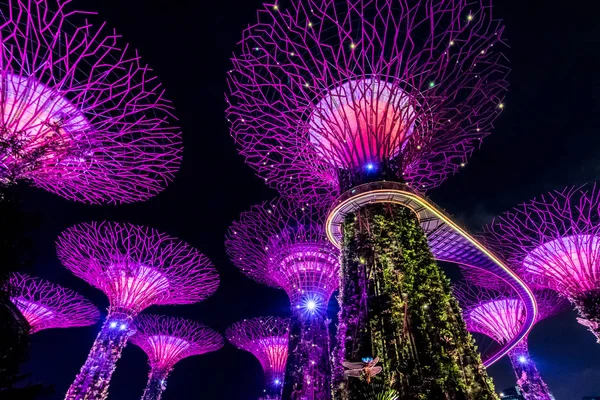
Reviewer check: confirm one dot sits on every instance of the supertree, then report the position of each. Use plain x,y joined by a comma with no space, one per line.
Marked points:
168,340
376,100
46,305
267,339
554,240
285,246
81,115
499,314
136,267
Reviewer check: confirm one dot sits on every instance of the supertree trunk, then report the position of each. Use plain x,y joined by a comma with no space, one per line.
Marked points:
588,306
397,304
529,379
307,375
157,384
93,379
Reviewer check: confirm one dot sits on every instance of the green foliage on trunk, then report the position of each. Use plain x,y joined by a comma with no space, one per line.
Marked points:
397,304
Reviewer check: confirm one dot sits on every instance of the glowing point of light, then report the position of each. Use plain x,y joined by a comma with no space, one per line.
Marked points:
113,324
501,106
352,45
311,305
431,84
277,382
470,17
370,166
522,359
123,327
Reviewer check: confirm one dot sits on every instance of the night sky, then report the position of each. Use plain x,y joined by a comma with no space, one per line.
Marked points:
547,138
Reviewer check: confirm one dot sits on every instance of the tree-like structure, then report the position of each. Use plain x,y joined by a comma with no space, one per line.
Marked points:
554,240
499,314
46,305
284,245
81,115
168,340
328,95
135,267
267,339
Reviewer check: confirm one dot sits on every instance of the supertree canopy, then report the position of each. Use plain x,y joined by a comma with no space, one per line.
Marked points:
46,305
166,341
135,267
498,314
285,246
267,339
328,97
554,240
328,94
81,115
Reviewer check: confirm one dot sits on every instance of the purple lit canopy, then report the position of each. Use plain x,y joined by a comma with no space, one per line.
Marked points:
283,245
325,94
46,305
81,115
554,241
267,339
136,266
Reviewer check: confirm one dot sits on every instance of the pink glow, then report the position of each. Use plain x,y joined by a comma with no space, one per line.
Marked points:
351,123
570,263
167,340
82,115
267,339
499,319
40,116
276,353
132,286
136,266
166,349
35,314
284,245
46,305
326,95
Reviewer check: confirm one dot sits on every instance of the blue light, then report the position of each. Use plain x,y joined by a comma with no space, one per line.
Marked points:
310,305
123,327
523,359
277,382
370,166
113,324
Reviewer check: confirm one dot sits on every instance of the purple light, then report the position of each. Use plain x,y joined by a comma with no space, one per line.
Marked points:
284,245
554,242
135,267
495,313
46,305
168,340
82,115
267,339
309,105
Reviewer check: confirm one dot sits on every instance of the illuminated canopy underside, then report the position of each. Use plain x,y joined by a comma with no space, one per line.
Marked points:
35,313
499,319
166,349
569,264
361,122
307,273
33,115
130,287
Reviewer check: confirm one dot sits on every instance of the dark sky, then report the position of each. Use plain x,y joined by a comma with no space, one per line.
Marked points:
547,138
